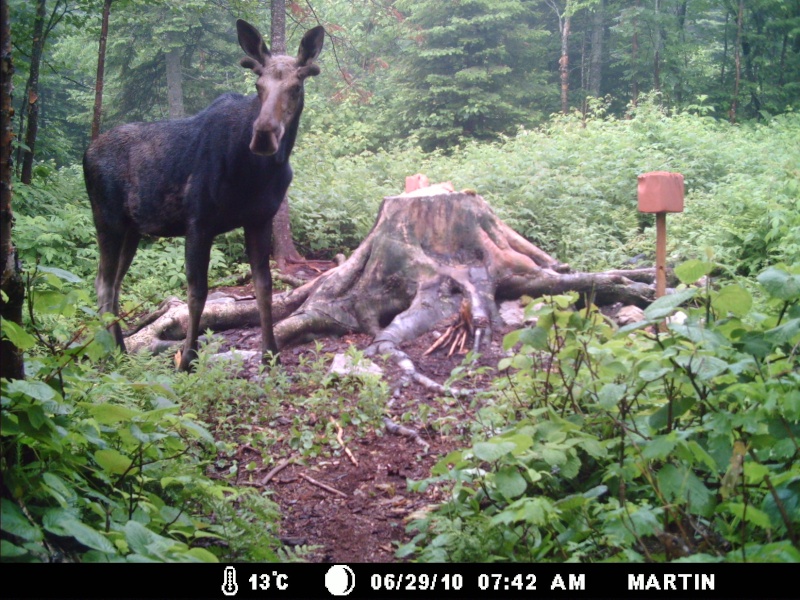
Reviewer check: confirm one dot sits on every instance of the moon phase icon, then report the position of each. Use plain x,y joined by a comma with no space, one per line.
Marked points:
340,580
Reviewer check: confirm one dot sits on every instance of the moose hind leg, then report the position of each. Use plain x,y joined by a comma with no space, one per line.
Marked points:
106,284
198,255
257,239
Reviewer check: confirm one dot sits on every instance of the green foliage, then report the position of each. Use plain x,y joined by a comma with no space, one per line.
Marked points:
101,462
570,187
465,71
644,443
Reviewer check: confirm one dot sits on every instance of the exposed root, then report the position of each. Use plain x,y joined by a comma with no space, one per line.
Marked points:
396,429
410,372
290,280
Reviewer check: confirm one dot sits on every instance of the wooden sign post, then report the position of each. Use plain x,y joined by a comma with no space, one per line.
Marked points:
661,192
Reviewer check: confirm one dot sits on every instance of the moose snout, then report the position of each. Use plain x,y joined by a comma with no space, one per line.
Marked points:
266,139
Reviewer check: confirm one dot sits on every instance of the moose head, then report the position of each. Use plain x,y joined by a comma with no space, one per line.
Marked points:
279,85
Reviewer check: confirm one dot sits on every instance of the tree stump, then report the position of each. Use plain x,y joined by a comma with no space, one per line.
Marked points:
432,254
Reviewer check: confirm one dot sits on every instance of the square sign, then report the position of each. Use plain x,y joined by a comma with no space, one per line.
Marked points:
660,192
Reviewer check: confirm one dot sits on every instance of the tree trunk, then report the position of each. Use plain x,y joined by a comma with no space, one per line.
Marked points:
737,58
724,52
101,62
635,57
563,63
283,248
174,80
657,49
432,255
596,56
32,101
277,28
11,284
682,32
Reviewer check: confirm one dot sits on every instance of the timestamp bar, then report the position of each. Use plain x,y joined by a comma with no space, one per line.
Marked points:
374,581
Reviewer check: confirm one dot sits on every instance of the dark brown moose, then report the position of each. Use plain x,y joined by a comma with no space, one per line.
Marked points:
226,167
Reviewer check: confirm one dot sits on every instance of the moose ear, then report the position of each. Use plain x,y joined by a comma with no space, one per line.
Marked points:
252,43
311,45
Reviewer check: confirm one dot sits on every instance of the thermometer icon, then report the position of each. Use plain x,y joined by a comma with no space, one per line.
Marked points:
230,587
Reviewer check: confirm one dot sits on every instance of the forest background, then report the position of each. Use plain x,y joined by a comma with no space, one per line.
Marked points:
548,108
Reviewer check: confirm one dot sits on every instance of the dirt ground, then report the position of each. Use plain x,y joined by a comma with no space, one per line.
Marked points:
364,513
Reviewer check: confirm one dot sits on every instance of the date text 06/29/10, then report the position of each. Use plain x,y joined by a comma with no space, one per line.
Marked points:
455,581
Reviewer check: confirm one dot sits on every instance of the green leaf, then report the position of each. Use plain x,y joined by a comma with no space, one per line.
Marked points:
680,484
112,461
734,299
652,372
780,284
138,537
17,335
521,441
610,394
664,306
9,550
510,482
785,333
703,367
88,536
658,420
492,451
553,456
692,270
660,446
751,514
13,521
37,390
202,555
61,274
755,343
535,337
109,414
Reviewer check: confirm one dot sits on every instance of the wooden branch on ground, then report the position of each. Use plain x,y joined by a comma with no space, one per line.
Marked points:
339,434
325,487
277,469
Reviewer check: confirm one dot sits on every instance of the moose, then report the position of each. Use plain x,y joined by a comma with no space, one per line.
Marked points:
224,168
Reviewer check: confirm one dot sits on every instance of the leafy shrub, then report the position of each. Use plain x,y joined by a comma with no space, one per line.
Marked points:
570,186
638,443
101,462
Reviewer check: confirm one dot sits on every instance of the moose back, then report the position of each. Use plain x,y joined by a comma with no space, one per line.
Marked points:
224,168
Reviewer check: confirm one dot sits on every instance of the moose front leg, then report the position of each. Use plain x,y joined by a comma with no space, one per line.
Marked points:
257,238
198,255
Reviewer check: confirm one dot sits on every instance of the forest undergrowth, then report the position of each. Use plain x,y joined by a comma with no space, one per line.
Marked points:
648,443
